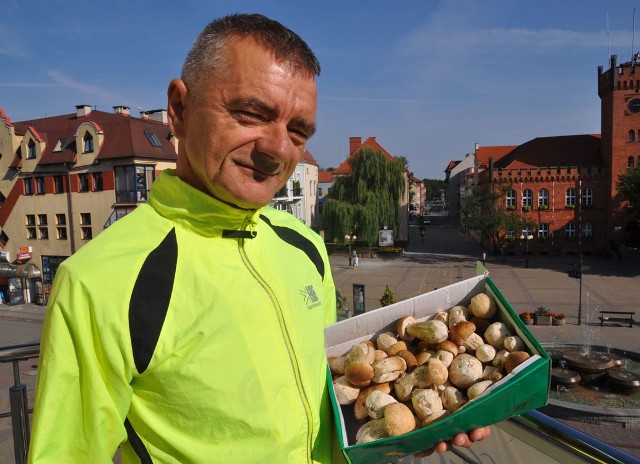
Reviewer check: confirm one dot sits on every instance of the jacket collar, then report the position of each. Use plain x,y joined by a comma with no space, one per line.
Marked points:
189,207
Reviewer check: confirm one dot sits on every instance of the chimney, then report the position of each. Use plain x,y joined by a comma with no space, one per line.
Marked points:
158,115
83,110
354,144
144,115
122,110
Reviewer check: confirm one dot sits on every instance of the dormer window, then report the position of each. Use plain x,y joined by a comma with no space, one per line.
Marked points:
31,149
88,143
62,143
153,139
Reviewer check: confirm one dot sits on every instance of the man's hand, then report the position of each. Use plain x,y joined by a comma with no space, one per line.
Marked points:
462,440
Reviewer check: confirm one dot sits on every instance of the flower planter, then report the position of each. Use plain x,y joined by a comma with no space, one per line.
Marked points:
558,321
527,321
542,320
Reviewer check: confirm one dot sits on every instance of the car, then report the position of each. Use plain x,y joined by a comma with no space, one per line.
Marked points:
426,220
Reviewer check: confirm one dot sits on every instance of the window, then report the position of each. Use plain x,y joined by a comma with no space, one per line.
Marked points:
43,230
40,185
2,198
570,197
630,162
153,139
543,198
97,181
543,230
61,226
527,198
4,238
511,235
83,182
31,149
62,143
133,183
570,230
632,136
30,220
587,230
58,184
587,196
50,266
88,143
28,186
511,199
85,226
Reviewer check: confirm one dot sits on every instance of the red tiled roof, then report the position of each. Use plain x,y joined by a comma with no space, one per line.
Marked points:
452,164
325,176
124,136
566,150
345,167
496,152
308,158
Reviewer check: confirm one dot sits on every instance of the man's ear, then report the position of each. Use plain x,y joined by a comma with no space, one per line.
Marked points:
176,104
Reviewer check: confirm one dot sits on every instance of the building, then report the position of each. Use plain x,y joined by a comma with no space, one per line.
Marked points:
566,185
417,194
65,178
299,196
355,146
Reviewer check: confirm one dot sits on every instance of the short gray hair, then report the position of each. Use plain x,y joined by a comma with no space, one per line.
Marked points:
206,54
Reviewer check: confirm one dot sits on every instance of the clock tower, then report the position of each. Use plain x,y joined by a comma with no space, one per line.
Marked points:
619,92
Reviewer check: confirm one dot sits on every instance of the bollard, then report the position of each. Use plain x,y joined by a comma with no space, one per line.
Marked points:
19,416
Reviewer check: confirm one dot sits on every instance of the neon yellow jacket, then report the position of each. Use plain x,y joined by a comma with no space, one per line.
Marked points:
189,331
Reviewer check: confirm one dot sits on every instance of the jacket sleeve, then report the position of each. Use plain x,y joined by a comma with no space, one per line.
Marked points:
82,391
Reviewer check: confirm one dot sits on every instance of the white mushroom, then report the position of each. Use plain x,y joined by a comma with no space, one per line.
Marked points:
477,388
457,314
500,358
495,334
491,373
465,370
345,392
485,353
388,369
361,352
452,398
483,306
337,364
371,431
432,332
426,401
376,401
385,340
401,327
359,406
513,343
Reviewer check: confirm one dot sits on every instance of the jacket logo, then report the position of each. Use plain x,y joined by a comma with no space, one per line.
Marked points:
310,297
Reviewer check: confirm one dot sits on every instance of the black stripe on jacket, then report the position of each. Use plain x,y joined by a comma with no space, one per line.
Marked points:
299,241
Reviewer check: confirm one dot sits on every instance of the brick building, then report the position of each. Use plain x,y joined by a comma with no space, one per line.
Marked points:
567,184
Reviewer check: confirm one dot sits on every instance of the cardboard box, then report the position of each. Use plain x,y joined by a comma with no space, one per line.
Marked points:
524,389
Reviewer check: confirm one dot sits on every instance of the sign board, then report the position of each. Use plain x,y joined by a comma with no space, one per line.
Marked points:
5,257
385,238
26,249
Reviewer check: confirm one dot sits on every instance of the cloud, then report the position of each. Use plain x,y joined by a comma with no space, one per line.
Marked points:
62,80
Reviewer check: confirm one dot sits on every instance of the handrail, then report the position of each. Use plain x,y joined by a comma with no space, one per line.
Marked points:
18,397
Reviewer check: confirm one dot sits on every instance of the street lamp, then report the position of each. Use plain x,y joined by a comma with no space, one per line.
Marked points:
350,239
527,237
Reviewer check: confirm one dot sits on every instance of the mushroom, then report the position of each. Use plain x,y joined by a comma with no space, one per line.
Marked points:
465,370
513,343
491,373
472,343
359,373
345,392
483,306
426,401
371,430
477,388
376,401
359,406
409,358
495,334
452,398
401,327
378,355
337,364
500,358
388,369
485,353
423,356
385,340
398,419
394,349
434,372
461,331
432,331
442,316
514,359
435,417
361,352
457,314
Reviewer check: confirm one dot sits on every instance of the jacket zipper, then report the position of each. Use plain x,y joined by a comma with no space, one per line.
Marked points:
287,340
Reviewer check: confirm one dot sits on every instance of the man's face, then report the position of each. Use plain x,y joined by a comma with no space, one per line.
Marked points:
242,139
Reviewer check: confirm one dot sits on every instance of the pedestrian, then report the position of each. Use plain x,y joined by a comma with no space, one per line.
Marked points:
484,257
150,338
356,261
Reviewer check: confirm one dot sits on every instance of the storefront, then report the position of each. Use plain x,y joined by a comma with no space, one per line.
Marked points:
21,283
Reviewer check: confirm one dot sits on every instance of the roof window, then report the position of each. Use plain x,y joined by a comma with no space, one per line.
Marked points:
153,139
62,143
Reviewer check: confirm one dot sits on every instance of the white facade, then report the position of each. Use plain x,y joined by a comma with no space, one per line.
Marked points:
299,196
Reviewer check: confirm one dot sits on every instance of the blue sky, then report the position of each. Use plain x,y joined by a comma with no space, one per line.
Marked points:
427,78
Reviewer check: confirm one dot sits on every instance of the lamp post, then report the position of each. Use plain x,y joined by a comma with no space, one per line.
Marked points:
528,237
350,239
422,231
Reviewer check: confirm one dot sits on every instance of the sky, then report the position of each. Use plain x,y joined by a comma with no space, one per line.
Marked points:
428,78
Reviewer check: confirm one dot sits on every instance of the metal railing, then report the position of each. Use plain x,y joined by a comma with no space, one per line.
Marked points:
18,397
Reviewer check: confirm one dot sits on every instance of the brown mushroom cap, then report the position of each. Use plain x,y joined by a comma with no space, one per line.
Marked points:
514,359
394,349
359,407
401,327
398,419
409,358
461,331
359,374
449,346
437,371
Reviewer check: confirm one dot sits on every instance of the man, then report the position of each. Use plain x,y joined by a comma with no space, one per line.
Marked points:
192,329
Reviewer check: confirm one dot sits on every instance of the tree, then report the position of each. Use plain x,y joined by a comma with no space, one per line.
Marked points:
629,187
433,188
388,298
367,200
482,212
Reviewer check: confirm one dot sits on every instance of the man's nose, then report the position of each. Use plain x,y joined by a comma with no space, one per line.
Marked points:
276,142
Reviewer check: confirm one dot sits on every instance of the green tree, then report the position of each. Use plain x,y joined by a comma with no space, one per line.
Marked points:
482,212
629,187
433,188
362,203
388,297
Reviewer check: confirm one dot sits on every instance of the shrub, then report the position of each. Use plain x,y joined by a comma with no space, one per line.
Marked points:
388,298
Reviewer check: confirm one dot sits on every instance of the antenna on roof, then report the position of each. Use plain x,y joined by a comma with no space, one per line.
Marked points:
633,37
